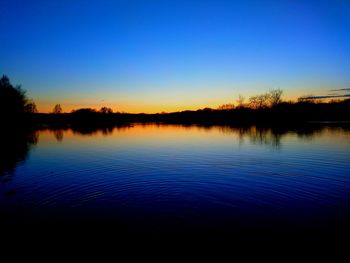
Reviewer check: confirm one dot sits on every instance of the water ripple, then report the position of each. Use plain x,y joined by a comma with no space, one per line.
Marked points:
188,178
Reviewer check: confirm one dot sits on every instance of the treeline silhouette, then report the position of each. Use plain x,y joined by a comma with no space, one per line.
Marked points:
267,108
283,113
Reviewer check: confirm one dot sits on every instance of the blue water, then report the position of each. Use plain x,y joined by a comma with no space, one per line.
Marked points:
175,178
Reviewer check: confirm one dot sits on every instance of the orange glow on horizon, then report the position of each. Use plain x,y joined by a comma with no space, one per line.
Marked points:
45,107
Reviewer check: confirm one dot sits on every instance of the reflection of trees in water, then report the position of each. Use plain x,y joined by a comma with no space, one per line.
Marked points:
308,134
105,130
58,135
256,135
269,136
261,136
87,130
265,136
16,144
273,136
14,150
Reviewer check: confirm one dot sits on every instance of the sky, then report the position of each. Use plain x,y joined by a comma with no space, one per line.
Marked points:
163,56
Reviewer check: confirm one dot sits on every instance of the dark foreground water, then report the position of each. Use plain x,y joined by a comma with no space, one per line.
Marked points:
172,179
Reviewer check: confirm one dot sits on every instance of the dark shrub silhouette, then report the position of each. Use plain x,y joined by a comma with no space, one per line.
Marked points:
57,109
106,110
84,111
31,108
228,106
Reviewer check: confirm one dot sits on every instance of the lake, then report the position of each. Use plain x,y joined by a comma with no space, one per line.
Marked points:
158,179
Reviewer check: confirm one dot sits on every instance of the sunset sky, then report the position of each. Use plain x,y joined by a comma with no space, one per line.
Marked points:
153,56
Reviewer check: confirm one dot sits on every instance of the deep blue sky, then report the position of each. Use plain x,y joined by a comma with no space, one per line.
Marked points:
171,55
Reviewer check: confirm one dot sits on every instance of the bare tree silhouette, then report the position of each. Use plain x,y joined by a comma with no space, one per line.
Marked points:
275,97
259,101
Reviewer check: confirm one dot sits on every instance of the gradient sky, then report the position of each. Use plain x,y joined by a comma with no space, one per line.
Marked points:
153,56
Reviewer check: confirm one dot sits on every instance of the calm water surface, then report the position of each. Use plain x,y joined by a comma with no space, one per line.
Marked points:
175,178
